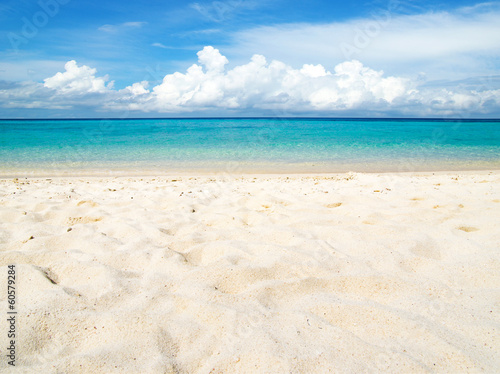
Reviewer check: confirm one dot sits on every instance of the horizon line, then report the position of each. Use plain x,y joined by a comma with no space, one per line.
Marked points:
255,117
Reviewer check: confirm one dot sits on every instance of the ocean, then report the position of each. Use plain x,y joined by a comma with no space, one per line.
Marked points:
276,145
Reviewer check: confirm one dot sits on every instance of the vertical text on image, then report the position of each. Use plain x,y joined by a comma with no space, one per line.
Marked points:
11,314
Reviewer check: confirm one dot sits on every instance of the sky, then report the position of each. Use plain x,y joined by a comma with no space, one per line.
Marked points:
115,59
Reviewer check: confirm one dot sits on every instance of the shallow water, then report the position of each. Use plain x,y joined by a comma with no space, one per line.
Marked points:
271,145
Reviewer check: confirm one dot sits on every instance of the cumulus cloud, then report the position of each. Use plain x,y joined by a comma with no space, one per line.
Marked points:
259,86
77,80
212,59
139,88
273,85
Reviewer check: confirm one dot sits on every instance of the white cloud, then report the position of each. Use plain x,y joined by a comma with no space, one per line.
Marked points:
133,24
219,11
258,86
275,85
160,45
212,60
77,80
444,44
139,88
121,26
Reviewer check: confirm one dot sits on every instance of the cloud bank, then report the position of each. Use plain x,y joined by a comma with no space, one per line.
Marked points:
452,45
258,86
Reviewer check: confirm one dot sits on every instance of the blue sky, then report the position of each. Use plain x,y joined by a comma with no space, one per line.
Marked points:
379,58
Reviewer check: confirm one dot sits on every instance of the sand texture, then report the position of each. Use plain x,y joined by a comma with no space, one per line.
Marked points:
346,273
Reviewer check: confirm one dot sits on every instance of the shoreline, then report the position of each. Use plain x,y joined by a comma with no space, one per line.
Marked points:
227,177
23,173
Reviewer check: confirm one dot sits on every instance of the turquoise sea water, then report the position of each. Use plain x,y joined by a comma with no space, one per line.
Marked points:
271,145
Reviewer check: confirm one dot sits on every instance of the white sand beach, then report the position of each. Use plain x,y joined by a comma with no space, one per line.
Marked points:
344,273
